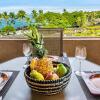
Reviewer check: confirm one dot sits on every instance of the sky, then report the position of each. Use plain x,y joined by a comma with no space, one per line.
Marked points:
52,5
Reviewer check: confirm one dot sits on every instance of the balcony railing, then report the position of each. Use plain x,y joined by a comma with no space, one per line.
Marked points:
11,47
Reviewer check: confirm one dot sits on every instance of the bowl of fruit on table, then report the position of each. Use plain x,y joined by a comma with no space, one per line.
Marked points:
43,75
47,77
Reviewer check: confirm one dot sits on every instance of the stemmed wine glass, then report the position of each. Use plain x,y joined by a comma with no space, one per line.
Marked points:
27,51
80,54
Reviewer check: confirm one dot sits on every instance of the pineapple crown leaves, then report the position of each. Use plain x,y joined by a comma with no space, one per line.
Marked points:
34,37
41,52
37,41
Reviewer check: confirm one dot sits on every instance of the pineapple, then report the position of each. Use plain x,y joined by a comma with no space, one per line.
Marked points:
33,63
36,40
43,64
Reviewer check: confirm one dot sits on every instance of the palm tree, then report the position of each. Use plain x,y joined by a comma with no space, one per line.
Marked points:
21,14
0,22
6,17
28,21
41,19
34,14
64,10
0,15
12,17
0,18
40,12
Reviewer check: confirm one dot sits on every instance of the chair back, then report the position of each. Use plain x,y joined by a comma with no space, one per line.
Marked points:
53,40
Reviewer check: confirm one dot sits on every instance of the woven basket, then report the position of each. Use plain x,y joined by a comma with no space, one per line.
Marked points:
48,87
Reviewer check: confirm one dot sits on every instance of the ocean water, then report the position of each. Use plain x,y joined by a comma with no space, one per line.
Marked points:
17,23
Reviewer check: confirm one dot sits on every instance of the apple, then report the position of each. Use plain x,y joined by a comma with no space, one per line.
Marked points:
55,76
49,76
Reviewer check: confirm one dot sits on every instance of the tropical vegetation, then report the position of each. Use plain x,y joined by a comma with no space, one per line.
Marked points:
77,23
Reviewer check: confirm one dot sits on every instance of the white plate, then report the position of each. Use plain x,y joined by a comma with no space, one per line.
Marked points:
90,83
53,58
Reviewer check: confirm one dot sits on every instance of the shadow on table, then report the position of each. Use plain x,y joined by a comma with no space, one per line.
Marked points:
36,96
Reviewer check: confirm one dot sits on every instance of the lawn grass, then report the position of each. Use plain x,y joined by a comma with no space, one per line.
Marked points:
92,31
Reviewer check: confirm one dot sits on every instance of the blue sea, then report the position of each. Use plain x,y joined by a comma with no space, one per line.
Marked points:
17,24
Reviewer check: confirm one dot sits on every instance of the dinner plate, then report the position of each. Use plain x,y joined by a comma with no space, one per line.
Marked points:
53,58
92,80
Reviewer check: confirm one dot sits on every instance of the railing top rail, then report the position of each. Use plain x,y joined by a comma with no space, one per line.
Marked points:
52,29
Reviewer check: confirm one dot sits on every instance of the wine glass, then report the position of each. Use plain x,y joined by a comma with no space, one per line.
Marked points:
27,51
64,57
80,54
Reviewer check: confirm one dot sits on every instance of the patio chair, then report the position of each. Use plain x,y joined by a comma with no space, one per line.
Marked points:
53,40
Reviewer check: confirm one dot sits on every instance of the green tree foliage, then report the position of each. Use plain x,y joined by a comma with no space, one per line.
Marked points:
29,22
21,14
34,14
76,19
6,17
40,18
7,30
40,12
97,14
91,16
62,20
12,17
0,18
55,19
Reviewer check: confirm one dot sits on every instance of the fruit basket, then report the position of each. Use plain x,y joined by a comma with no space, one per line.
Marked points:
48,87
43,75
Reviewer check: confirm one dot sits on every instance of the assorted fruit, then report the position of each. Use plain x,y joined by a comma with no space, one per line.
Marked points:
41,66
43,69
